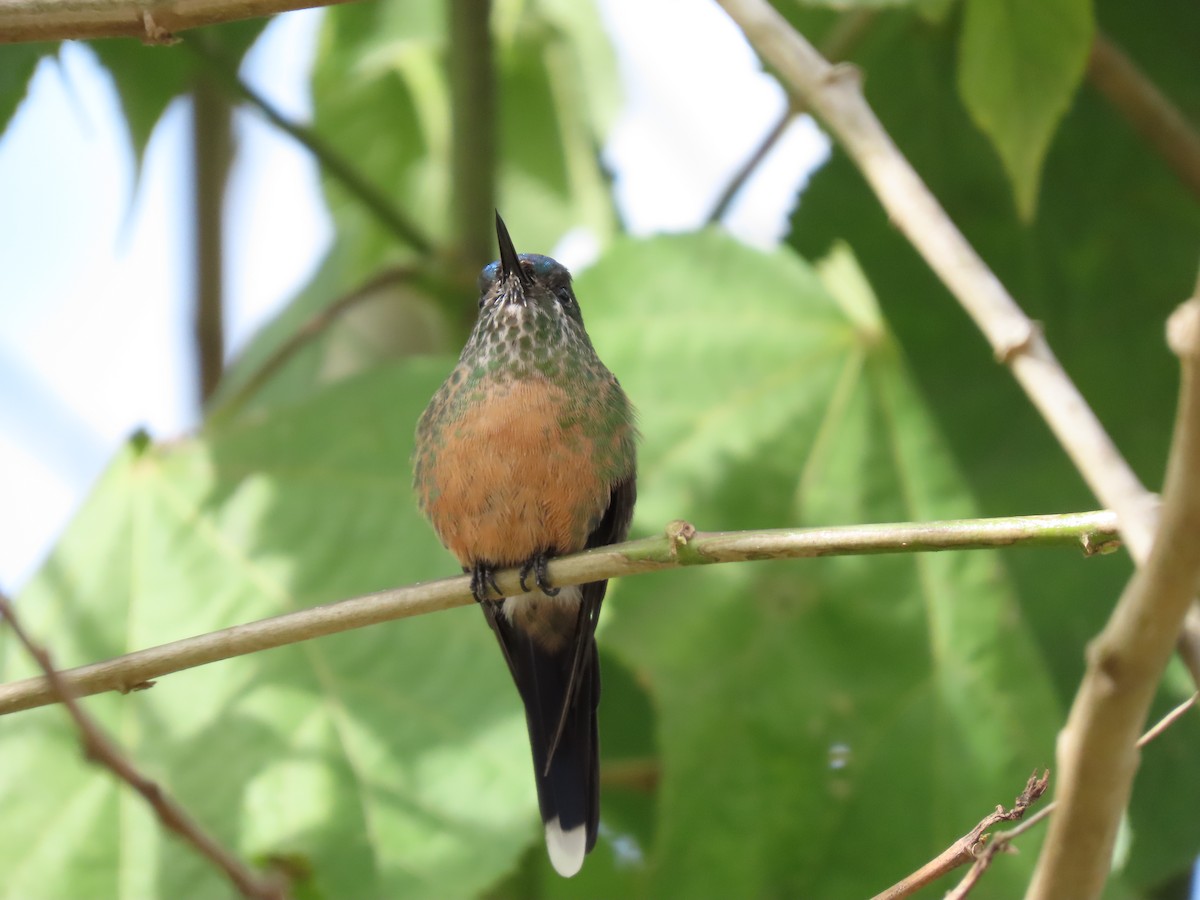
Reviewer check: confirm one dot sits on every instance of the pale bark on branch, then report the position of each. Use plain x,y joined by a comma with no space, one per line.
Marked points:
681,545
1097,750
834,95
153,23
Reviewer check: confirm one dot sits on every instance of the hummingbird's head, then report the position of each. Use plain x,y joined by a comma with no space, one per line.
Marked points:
528,290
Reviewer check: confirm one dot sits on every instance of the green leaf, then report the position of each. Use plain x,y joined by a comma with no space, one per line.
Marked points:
387,762
1020,63
806,709
149,77
1074,269
381,97
17,65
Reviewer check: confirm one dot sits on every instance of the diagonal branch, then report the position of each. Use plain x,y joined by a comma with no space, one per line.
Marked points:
334,164
975,847
99,749
1147,109
314,326
681,545
1097,750
834,94
965,849
842,38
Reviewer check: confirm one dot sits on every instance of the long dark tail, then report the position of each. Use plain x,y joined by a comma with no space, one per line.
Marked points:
560,688
568,788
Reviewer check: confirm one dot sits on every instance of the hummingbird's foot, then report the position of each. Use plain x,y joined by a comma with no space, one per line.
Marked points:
483,578
537,565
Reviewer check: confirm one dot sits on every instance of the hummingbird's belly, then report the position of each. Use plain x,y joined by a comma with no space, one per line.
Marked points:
507,480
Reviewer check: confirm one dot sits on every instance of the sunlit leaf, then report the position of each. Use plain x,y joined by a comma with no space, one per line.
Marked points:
1020,64
805,709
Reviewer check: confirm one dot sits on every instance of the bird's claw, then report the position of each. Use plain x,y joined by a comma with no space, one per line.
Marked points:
483,578
537,565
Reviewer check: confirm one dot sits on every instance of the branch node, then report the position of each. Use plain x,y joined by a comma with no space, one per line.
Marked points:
1095,544
844,74
679,533
1022,337
155,35
1183,330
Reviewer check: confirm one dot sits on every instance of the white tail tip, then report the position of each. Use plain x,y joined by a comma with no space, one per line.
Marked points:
566,848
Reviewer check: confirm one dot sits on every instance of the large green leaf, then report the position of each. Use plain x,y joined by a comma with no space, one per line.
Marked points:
381,100
381,96
795,711
1111,252
1020,63
806,710
388,762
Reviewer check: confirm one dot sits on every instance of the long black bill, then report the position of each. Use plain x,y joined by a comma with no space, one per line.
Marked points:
510,263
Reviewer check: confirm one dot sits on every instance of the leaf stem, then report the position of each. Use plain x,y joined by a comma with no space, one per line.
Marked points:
473,122
212,152
331,161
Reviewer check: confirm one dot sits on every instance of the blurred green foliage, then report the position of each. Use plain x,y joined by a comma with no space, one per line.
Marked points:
810,729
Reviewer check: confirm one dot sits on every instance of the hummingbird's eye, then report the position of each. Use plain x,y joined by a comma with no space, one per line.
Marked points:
486,277
565,297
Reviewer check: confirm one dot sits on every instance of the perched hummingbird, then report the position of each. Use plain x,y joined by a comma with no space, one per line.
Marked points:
526,452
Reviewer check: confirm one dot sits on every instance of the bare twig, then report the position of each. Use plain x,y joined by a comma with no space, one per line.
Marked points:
834,94
1097,752
838,44
1002,841
350,178
678,547
982,851
56,20
1148,110
965,849
99,749
1167,721
212,153
739,178
314,326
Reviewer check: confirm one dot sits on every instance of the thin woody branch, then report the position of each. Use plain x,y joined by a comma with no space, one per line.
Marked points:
964,850
682,545
975,847
845,35
834,94
1147,109
1097,750
55,20
338,167
99,749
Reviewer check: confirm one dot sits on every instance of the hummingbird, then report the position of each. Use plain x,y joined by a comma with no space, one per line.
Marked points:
527,452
